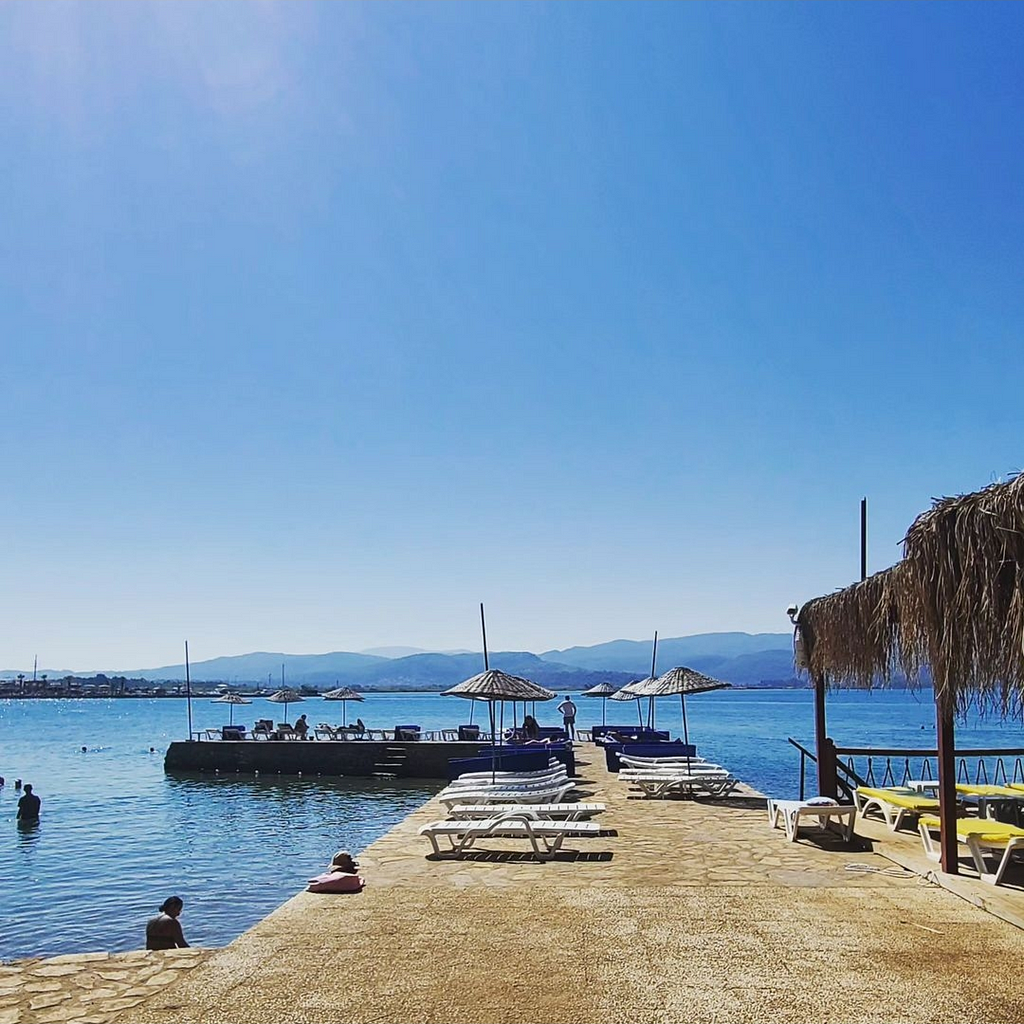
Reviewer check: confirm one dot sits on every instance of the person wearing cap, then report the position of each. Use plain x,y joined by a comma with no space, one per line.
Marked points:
164,930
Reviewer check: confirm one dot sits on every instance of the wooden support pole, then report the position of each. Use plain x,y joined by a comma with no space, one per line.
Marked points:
947,784
823,745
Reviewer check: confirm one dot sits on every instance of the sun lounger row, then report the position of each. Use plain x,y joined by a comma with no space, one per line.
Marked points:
544,835
661,777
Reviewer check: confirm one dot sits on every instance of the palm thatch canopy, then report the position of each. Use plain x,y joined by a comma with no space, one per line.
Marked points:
343,693
955,603
231,698
600,690
626,693
677,680
286,696
495,685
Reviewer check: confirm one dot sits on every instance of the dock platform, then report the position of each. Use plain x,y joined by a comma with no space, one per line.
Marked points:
680,910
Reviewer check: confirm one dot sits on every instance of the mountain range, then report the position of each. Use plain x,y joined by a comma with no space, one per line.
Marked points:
743,659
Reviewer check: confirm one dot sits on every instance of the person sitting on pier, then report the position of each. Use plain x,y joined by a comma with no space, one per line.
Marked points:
531,730
341,875
164,930
302,727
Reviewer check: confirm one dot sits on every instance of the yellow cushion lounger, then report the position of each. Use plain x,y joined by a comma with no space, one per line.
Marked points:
978,835
894,804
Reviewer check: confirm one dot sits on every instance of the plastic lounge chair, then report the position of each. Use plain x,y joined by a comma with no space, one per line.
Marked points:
982,837
564,812
791,811
893,804
481,786
497,795
544,836
509,781
662,784
471,778
637,761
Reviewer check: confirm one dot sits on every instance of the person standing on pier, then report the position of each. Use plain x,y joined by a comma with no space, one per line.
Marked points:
28,805
568,712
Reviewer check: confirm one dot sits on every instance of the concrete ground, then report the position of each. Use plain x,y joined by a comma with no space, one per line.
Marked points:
681,910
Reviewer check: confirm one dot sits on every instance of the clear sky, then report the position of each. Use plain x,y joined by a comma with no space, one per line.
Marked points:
322,323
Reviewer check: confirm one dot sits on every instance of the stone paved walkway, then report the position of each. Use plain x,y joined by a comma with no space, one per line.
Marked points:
679,911
88,987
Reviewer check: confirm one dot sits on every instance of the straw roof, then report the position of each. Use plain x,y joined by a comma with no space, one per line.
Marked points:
600,690
343,693
231,698
955,603
677,680
497,685
626,693
286,696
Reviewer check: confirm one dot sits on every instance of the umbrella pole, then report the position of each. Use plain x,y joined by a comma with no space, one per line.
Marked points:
686,733
472,708
494,752
604,710
639,713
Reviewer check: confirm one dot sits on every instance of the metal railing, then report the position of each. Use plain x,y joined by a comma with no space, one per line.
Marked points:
895,766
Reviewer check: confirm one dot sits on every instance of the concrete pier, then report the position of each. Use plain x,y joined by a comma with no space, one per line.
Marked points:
679,910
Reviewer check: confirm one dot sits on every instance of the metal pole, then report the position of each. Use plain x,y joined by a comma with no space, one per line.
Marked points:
947,783
188,691
654,662
686,732
863,538
483,630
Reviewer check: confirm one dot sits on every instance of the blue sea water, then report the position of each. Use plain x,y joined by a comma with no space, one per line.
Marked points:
118,835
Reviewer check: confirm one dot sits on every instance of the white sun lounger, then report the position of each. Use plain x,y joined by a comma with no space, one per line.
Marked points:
635,761
501,795
564,812
789,812
660,784
468,778
544,836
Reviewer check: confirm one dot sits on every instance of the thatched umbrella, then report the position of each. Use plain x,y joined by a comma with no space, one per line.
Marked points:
604,691
626,693
231,699
495,686
681,680
954,603
343,693
286,696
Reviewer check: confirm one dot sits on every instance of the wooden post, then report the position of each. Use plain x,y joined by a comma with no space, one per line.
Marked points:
823,746
947,783
863,538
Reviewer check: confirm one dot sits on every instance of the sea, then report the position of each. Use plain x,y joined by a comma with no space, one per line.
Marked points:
118,835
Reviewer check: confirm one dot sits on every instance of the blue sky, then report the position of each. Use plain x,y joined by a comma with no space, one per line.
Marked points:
323,323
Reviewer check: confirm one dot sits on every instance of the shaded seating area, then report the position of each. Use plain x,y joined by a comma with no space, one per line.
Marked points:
953,605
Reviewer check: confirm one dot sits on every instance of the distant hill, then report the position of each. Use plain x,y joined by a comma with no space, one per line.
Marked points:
255,668
635,655
405,652
743,659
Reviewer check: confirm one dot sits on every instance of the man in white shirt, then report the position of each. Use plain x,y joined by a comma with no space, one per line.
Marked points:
568,712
